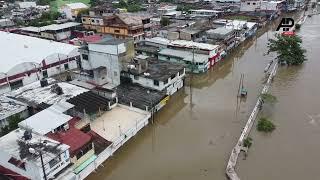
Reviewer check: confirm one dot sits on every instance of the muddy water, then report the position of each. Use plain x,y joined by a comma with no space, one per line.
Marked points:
194,134
292,150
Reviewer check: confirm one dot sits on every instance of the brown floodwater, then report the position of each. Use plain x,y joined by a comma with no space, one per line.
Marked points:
194,134
292,150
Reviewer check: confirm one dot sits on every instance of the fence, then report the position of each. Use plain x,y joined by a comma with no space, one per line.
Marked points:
230,170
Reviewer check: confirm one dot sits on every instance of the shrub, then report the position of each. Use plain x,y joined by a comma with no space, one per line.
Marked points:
265,125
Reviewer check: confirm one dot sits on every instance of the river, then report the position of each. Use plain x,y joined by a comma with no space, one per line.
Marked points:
192,137
292,150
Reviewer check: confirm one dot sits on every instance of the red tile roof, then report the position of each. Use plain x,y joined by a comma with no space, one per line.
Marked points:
72,137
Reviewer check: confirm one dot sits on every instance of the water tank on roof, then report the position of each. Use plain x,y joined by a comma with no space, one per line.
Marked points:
43,82
27,135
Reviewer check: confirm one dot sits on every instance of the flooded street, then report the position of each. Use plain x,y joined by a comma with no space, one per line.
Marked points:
195,133
292,150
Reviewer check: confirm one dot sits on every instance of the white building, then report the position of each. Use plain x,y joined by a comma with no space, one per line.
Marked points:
158,75
204,13
20,153
73,9
259,5
27,4
102,62
27,59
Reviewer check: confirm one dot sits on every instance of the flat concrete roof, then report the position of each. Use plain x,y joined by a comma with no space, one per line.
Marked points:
112,124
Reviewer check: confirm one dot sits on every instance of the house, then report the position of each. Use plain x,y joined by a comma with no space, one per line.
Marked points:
102,62
4,23
10,107
33,156
166,10
55,124
204,13
194,62
157,75
26,4
56,32
222,36
265,6
121,26
29,59
191,34
73,9
209,50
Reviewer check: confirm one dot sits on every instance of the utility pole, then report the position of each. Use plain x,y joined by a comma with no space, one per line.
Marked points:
42,164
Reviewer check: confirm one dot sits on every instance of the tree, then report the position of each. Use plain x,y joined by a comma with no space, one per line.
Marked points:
247,142
164,21
14,121
288,48
268,98
265,125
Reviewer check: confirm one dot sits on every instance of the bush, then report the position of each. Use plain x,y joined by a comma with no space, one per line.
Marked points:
164,21
247,142
268,98
265,125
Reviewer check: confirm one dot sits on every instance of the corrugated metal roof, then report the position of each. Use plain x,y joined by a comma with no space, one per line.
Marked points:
185,55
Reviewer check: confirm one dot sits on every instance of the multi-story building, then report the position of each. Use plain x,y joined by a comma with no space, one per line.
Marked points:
121,26
73,9
157,75
102,62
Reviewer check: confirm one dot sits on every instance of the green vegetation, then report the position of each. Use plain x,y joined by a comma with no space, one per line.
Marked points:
288,48
47,18
164,21
184,8
13,124
268,98
298,26
130,5
247,142
265,125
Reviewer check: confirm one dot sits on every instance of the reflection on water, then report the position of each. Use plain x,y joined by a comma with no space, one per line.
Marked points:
194,134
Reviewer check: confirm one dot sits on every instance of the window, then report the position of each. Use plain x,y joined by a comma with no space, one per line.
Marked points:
117,31
115,73
136,77
97,21
92,20
248,3
66,66
181,72
54,161
83,20
45,73
166,81
173,76
156,82
85,57
254,3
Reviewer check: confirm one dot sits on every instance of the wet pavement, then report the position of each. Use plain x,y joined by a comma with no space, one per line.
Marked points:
195,133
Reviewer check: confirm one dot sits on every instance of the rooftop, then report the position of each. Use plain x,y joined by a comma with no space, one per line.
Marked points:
9,107
113,124
46,120
35,94
160,70
191,44
220,30
77,5
20,49
73,137
109,41
138,95
147,48
191,30
17,146
158,40
52,27
185,55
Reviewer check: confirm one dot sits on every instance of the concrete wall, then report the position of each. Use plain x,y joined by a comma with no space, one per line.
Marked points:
248,6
